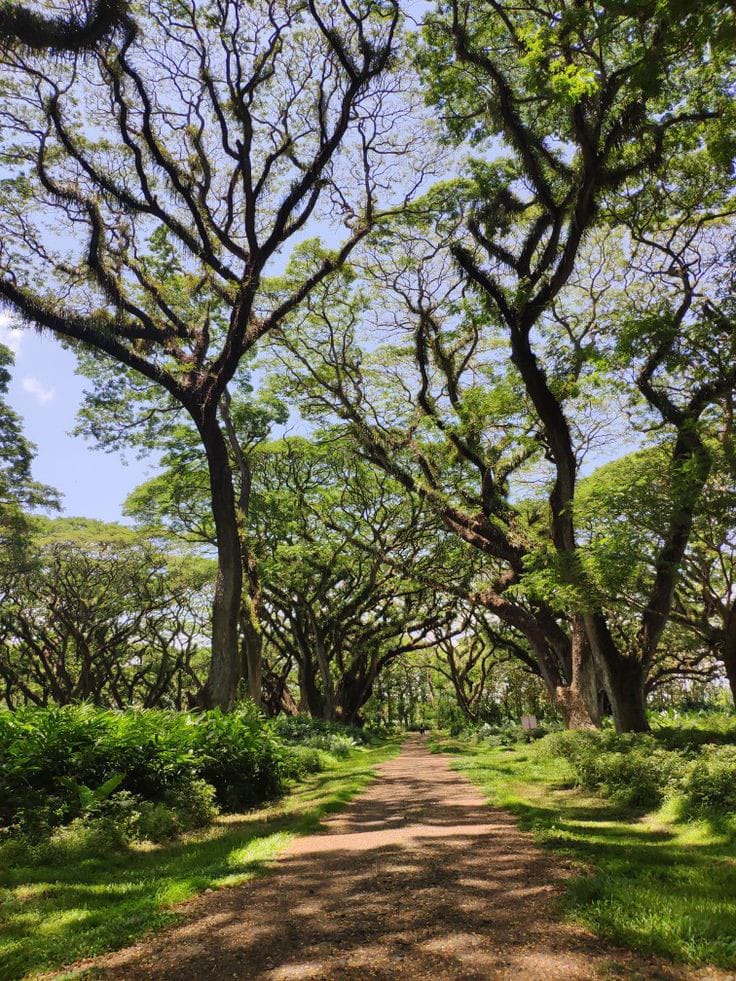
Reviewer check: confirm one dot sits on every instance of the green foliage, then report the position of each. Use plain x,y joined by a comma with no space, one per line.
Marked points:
308,731
18,490
642,770
59,764
303,760
710,781
239,756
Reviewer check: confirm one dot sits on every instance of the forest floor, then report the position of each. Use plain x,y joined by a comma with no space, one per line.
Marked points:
417,878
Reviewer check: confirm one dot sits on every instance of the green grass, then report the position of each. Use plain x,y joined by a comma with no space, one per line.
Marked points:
646,882
51,916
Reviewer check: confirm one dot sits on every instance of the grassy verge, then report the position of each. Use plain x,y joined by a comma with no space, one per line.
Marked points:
644,881
92,903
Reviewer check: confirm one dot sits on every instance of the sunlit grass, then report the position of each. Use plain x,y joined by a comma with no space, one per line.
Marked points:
646,882
51,916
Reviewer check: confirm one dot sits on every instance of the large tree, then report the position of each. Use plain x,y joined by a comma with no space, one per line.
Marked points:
587,103
217,132
334,547
586,117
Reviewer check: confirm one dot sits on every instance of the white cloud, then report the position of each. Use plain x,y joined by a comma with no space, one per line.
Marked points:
34,387
10,336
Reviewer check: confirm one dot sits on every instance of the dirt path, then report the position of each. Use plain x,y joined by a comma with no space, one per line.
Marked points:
417,878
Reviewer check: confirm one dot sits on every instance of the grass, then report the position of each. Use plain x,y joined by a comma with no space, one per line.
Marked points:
643,881
51,916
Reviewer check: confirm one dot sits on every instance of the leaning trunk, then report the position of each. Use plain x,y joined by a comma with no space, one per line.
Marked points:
225,669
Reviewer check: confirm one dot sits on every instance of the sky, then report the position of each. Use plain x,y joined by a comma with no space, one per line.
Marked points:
46,393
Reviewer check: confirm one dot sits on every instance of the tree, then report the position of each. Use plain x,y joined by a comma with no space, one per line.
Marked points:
99,614
22,26
121,414
594,119
339,545
621,511
473,662
329,539
19,492
438,409
587,102
217,144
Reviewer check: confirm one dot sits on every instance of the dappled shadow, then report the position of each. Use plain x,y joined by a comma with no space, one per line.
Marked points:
51,911
418,878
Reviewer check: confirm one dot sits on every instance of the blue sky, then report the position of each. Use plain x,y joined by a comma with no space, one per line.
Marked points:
46,392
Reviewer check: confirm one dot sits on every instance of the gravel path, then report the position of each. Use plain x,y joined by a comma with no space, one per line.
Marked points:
417,878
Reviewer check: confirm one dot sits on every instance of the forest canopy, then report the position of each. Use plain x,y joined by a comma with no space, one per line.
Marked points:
429,325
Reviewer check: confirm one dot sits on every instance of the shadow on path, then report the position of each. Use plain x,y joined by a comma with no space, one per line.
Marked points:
417,878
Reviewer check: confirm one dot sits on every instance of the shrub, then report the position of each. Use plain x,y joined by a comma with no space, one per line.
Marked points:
710,781
336,743
59,764
632,769
157,822
303,728
240,757
195,805
302,760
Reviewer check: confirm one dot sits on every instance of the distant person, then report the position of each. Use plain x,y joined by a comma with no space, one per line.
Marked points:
421,728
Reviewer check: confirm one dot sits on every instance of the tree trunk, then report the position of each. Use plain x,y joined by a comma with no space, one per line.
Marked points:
624,677
220,689
328,687
578,700
729,651
628,699
310,698
252,649
250,624
353,692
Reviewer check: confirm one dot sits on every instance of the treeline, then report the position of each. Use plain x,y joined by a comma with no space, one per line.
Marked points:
512,361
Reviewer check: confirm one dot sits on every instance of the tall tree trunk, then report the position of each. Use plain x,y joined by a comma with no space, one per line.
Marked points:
353,691
252,649
328,687
628,698
250,612
310,698
225,666
624,677
729,650
578,701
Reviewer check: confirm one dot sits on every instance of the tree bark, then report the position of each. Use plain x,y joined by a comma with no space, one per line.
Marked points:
352,694
729,651
250,612
252,649
578,701
220,689
628,699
